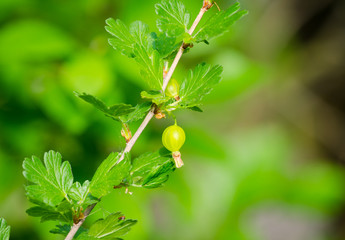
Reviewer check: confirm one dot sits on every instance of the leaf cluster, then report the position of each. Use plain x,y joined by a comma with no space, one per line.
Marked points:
56,197
50,184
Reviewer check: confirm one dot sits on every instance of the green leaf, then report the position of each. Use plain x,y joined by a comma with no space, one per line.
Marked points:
115,111
111,227
61,213
139,112
123,41
219,23
61,229
64,230
85,236
152,169
155,96
141,33
136,42
50,183
81,194
4,230
199,83
165,45
173,17
151,66
109,174
196,109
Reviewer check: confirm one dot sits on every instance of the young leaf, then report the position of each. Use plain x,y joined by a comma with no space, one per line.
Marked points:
155,96
111,227
61,213
109,174
173,17
151,170
81,194
199,83
50,183
219,23
4,230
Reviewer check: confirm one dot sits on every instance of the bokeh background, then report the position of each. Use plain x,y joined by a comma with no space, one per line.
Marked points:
265,161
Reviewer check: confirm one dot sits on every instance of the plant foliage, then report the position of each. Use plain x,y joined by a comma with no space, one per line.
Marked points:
4,230
50,184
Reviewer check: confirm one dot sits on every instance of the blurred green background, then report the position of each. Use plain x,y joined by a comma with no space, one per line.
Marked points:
265,161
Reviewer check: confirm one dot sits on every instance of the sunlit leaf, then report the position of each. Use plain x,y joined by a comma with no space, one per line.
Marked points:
139,112
165,45
109,174
152,169
123,40
155,96
114,111
219,23
199,83
111,227
151,66
4,230
136,42
49,183
173,17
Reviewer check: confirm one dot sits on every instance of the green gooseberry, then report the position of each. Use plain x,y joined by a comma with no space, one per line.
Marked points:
173,139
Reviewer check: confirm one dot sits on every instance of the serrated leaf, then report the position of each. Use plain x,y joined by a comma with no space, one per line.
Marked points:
173,17
199,83
109,174
123,40
141,33
139,113
151,66
61,229
136,42
111,227
65,229
151,169
50,182
61,213
115,111
4,230
81,194
165,45
219,23
85,236
158,175
155,96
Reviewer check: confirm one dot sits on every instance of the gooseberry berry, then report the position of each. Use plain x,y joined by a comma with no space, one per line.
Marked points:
173,89
173,138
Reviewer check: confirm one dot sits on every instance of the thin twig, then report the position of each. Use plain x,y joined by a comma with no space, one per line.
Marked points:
146,120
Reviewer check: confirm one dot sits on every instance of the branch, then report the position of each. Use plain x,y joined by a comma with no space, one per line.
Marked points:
149,115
